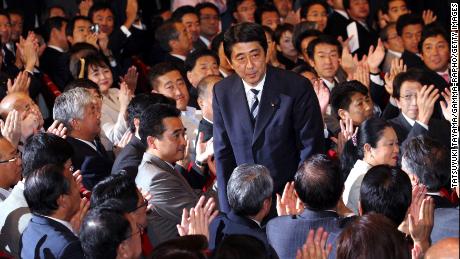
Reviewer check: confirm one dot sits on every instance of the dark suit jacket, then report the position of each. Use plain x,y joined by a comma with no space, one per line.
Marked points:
288,128
130,157
445,224
337,25
286,234
94,165
47,238
56,65
366,38
441,202
437,129
205,127
233,224
411,60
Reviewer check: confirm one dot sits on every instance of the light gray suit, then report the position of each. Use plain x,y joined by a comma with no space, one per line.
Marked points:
445,224
14,218
171,193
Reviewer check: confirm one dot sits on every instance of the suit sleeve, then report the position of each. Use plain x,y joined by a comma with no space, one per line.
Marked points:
308,123
223,153
72,251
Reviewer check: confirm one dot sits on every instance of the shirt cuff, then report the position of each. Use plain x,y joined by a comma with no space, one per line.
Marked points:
377,80
125,31
422,124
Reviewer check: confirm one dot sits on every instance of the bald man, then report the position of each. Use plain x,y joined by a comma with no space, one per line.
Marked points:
447,248
32,119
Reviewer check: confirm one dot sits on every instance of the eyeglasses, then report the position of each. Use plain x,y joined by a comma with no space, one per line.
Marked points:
14,159
409,97
143,204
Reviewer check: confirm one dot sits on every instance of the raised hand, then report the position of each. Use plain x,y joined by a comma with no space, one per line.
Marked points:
315,246
11,128
84,7
131,13
348,62
446,105
293,17
124,95
362,73
420,226
197,221
58,129
397,66
91,38
375,56
428,17
77,219
383,19
426,98
288,203
323,95
130,78
21,83
125,139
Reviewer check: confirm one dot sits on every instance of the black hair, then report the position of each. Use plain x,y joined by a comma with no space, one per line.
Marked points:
158,70
180,12
166,33
303,35
429,160
43,187
318,183
280,30
302,68
204,5
120,187
89,61
186,247
341,95
323,39
432,30
46,14
304,9
50,24
386,190
151,123
369,132
244,32
42,149
241,247
385,7
216,41
407,19
372,236
71,24
191,59
413,75
346,4
103,229
82,83
99,6
266,8
140,102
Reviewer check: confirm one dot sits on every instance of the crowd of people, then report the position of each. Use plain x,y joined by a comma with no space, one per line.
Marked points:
305,129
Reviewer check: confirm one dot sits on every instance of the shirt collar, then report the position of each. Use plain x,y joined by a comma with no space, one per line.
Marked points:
179,56
205,41
63,222
259,85
91,144
409,120
329,84
56,48
443,72
398,54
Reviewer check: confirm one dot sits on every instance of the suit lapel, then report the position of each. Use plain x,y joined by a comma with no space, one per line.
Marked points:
268,104
241,107
163,165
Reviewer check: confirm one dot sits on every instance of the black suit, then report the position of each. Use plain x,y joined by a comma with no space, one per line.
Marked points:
205,127
367,38
288,233
437,129
337,25
94,165
441,202
56,65
130,157
287,130
411,60
233,224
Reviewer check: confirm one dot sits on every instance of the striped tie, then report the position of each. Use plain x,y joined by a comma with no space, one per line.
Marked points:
255,104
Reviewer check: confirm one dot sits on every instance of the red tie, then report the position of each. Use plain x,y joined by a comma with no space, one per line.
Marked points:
446,77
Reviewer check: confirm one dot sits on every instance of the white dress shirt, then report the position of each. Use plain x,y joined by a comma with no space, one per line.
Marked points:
353,185
250,95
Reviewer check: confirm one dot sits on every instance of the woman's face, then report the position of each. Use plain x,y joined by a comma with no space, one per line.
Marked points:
286,47
316,13
387,150
102,76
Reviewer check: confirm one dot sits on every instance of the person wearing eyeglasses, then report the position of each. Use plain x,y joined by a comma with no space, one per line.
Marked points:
10,167
416,104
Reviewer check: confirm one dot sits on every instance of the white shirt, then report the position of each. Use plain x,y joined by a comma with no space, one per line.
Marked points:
4,193
179,56
249,94
412,122
56,48
397,54
63,222
353,185
89,143
205,41
329,84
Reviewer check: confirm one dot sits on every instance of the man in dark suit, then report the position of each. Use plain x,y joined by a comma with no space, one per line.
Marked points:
262,114
409,27
53,197
205,89
77,110
187,15
416,104
337,21
54,60
426,161
249,191
358,11
319,186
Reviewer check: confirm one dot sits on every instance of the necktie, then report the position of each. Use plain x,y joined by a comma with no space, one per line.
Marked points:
446,77
255,104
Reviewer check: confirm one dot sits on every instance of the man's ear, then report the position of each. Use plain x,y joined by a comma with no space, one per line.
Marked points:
172,44
230,63
74,124
136,122
200,102
70,39
367,147
189,76
398,103
151,142
343,114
